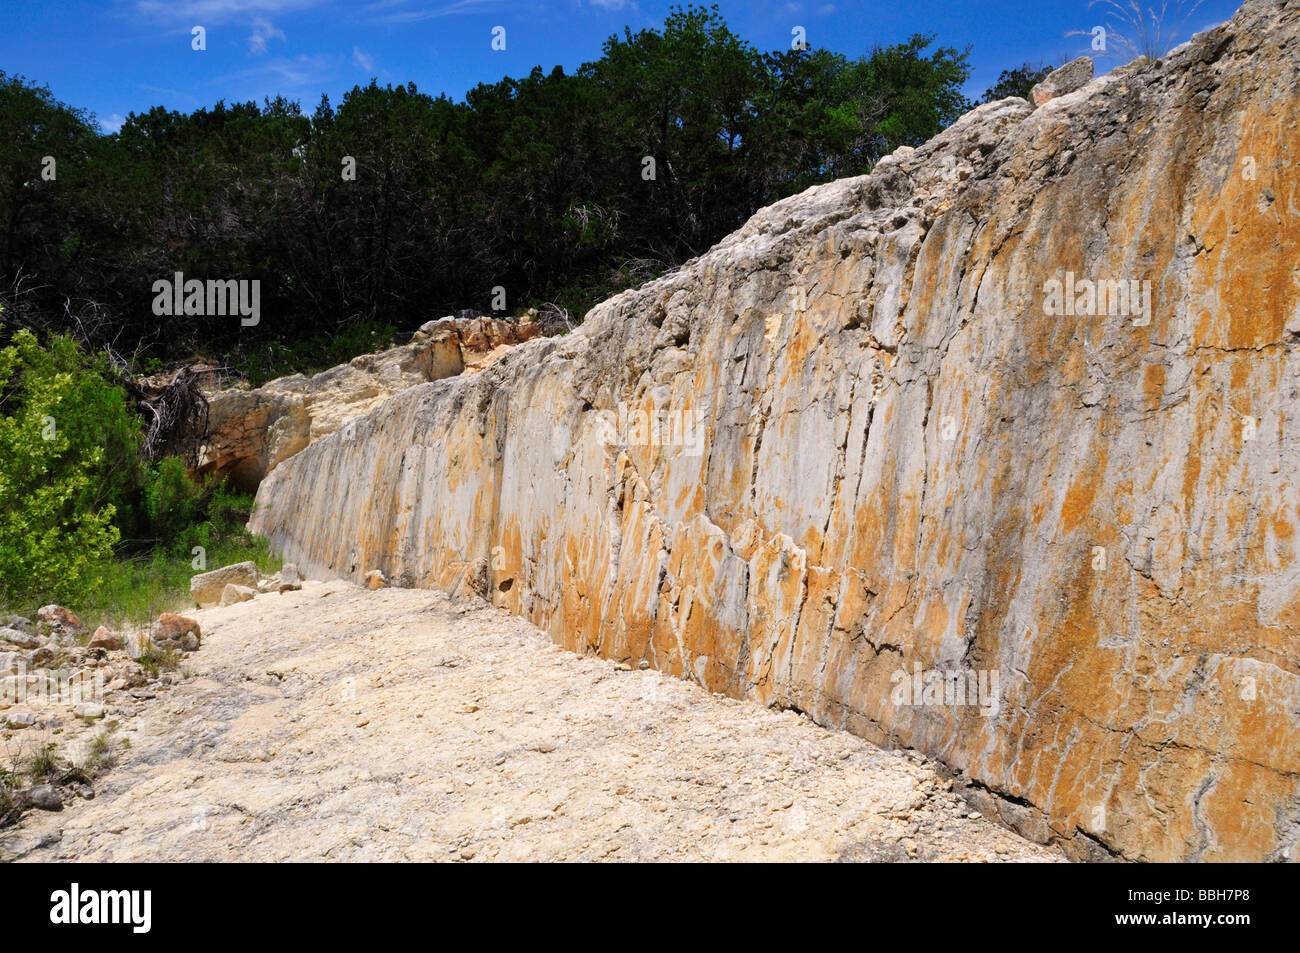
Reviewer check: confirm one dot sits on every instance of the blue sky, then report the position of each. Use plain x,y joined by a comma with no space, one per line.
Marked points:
118,56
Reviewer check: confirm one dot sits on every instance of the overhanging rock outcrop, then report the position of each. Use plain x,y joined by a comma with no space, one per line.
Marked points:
992,453
252,431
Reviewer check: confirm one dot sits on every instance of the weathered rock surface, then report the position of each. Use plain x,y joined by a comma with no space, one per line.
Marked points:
1073,75
251,431
339,724
892,459
62,621
290,578
19,638
233,593
208,587
104,639
170,630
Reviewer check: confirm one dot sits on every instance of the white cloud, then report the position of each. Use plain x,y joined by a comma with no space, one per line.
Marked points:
218,11
112,124
263,32
363,59
426,13
299,72
611,4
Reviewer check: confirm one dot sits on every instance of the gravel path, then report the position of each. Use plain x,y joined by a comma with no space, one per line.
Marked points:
340,724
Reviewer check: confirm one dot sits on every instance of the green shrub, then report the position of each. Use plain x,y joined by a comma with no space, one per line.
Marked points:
172,500
68,466
72,487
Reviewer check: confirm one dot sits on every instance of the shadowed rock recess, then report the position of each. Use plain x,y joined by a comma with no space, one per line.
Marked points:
851,444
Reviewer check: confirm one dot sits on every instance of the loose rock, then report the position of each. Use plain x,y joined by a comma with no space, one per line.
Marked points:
175,631
290,578
89,711
233,594
1073,75
44,797
61,620
21,623
19,638
44,657
207,588
104,639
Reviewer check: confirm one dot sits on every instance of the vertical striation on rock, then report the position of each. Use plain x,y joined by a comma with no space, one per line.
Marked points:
991,453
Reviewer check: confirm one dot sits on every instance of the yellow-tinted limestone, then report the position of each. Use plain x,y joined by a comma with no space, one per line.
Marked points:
856,443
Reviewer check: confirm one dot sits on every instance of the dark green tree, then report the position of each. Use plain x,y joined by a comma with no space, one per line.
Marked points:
1017,82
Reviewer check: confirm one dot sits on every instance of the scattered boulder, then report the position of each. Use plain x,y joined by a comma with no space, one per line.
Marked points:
44,657
1073,75
44,797
12,663
20,719
104,639
207,587
233,594
90,711
19,638
61,620
375,579
290,578
21,623
175,631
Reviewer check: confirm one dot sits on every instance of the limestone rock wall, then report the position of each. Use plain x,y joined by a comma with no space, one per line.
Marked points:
251,431
849,448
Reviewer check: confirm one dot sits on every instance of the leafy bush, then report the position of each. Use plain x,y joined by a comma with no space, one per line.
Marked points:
183,513
217,523
171,499
72,487
68,467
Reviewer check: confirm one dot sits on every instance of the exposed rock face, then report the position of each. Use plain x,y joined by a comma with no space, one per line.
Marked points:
251,431
897,452
1073,75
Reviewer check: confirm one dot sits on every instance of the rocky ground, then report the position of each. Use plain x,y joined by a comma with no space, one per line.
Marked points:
335,723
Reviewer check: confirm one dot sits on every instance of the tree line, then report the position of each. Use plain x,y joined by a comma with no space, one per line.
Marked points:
397,206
